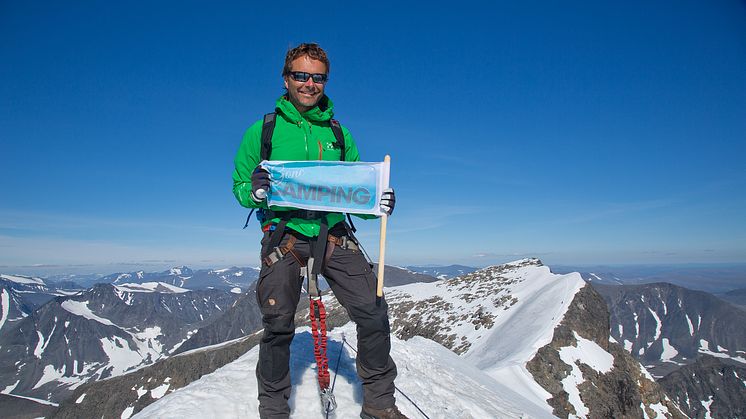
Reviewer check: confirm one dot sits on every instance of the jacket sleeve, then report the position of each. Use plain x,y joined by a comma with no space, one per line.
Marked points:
352,154
245,162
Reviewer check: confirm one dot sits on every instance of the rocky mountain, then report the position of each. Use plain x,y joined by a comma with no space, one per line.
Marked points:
518,340
666,326
233,279
244,317
546,334
103,332
33,292
442,272
709,388
13,306
395,276
241,319
128,394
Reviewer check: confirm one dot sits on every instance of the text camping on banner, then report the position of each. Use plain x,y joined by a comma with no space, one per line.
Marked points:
334,186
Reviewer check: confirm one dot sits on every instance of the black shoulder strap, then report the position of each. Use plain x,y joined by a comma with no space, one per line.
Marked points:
268,127
337,130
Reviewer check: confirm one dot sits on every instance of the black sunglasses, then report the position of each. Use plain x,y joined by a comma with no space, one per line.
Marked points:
303,77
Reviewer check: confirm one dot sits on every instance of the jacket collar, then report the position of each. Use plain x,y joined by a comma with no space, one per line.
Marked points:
324,111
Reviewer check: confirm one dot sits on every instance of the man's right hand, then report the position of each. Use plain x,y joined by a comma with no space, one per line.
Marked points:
259,184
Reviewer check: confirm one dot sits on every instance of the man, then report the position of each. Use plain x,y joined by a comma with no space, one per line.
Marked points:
303,131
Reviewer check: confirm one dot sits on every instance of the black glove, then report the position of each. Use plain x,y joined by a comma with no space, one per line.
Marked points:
259,184
388,201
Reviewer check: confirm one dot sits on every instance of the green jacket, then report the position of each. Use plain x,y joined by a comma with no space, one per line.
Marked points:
296,137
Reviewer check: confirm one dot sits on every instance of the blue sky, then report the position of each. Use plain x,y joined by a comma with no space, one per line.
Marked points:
580,133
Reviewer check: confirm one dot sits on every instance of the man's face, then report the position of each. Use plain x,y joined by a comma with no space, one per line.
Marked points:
305,95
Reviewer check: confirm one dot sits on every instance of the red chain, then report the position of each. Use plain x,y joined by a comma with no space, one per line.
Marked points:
318,330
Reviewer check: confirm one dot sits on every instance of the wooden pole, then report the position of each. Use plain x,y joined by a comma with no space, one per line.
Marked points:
382,246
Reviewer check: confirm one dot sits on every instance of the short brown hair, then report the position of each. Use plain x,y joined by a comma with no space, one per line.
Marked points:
312,50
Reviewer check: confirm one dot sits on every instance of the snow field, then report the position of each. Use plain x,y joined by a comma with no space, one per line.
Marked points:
443,384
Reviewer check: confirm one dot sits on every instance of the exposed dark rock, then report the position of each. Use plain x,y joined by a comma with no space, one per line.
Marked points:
17,408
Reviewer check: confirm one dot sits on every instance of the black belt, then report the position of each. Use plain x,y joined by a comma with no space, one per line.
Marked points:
301,213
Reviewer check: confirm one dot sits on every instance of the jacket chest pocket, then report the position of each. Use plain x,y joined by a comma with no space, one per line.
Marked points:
328,149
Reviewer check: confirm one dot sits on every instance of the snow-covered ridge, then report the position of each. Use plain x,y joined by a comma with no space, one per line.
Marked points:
150,287
22,279
455,389
497,318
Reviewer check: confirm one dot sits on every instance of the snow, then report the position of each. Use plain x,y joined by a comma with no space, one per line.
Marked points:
121,357
595,276
704,347
706,405
543,299
10,388
230,392
50,374
691,326
80,399
628,346
637,326
589,353
39,345
127,412
5,302
159,391
236,290
658,324
80,308
18,279
151,287
669,352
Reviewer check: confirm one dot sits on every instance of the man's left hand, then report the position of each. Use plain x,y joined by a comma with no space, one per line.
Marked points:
388,201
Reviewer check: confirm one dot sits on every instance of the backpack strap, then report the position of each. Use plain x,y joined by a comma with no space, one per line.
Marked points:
337,130
268,127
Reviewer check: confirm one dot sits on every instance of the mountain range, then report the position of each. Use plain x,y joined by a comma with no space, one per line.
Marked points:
519,339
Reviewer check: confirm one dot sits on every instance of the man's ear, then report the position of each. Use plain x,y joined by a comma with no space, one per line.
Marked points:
286,81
